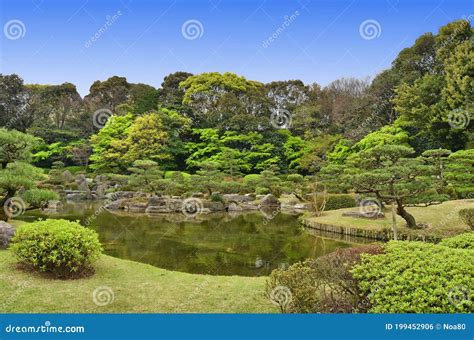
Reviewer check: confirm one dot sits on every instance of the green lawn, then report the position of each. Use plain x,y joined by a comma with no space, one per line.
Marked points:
136,288
443,219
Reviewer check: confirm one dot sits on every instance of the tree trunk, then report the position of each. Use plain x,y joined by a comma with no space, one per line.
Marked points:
411,223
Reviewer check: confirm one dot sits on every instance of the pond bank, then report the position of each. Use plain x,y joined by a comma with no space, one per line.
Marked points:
442,221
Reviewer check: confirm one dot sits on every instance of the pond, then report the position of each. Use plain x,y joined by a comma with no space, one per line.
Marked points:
247,244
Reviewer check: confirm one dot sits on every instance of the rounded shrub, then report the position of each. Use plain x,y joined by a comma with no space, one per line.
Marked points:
63,248
335,202
262,191
467,215
417,277
463,241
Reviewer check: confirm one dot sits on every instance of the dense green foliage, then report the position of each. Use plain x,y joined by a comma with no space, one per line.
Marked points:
63,248
462,241
416,277
334,202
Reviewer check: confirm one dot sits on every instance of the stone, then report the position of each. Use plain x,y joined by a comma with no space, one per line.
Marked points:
237,198
137,207
358,214
269,201
213,206
6,233
156,201
234,207
54,205
157,209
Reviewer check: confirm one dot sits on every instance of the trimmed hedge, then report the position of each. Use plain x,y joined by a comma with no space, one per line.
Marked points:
417,277
335,202
463,241
63,248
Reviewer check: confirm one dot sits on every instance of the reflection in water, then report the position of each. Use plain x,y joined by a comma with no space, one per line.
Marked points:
220,244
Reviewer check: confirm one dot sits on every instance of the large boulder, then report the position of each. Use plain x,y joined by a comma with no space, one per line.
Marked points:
137,207
237,198
269,201
213,206
6,233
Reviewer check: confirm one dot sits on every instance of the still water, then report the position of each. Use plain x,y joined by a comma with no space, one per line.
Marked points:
248,244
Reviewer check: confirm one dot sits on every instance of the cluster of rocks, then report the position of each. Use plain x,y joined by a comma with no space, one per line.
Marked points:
6,233
140,203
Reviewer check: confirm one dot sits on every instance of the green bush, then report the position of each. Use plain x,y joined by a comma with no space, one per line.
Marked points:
262,191
38,197
295,178
463,241
252,180
216,197
63,248
339,202
467,215
322,285
417,277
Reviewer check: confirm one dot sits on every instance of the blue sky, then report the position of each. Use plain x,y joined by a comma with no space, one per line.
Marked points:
320,42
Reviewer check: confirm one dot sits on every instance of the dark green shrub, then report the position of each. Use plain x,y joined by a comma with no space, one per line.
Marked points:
262,191
339,202
322,285
463,241
63,248
417,277
295,178
467,215
38,197
216,197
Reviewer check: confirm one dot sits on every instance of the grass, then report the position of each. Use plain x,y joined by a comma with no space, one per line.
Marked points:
136,287
442,220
